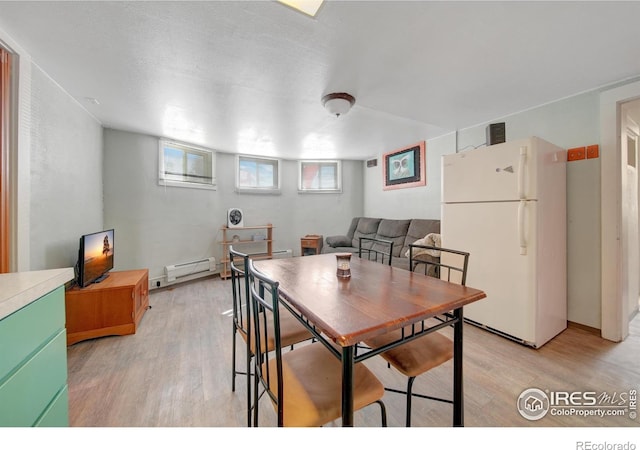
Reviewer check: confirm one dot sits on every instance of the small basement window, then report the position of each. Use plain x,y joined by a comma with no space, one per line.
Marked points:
257,175
320,176
185,165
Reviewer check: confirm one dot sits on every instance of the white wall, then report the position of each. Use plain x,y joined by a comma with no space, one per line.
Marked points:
66,174
421,202
571,122
57,170
157,225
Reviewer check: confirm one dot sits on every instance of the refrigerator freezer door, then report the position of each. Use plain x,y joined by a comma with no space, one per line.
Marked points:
503,172
490,233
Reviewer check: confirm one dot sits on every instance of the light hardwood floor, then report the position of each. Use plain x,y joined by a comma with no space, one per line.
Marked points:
175,372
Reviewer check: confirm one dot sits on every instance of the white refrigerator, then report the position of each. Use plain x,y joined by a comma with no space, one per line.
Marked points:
505,204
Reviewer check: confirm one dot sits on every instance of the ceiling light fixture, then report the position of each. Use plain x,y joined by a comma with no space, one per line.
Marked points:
338,103
309,7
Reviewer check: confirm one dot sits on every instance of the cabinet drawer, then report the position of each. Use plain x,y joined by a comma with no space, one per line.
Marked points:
57,414
24,331
28,391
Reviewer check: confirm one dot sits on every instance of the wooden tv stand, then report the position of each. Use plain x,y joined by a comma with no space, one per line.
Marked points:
114,306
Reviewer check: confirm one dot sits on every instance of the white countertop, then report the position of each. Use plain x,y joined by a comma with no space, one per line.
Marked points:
18,289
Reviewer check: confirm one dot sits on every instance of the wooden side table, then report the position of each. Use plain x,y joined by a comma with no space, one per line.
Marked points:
311,244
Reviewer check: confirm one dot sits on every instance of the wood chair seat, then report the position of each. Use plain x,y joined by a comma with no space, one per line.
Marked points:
417,356
291,332
312,380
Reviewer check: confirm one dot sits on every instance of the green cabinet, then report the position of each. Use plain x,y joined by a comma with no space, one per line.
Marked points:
33,367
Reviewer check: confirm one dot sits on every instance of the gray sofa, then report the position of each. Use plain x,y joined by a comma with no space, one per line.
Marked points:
401,231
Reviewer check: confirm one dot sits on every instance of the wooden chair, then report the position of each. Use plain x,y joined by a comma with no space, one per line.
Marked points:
292,331
379,250
304,384
431,350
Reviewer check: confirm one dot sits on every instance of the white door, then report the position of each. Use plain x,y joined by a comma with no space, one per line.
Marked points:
630,225
489,232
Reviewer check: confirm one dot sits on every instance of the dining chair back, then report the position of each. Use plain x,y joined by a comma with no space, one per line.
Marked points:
292,331
431,350
303,384
238,263
443,263
374,249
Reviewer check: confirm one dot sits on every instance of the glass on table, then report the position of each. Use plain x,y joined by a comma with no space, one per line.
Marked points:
343,261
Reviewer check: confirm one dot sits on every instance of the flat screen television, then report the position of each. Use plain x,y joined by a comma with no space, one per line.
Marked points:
95,257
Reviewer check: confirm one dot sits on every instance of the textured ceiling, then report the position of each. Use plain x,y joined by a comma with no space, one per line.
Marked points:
247,77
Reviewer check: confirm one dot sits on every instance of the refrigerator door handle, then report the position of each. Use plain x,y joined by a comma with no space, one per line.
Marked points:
521,221
522,164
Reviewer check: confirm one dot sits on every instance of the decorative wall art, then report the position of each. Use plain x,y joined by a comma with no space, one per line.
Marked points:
405,168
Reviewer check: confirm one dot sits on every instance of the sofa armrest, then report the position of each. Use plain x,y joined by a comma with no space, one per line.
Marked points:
338,241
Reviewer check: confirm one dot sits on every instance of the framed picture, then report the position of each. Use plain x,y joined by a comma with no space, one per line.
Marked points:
405,168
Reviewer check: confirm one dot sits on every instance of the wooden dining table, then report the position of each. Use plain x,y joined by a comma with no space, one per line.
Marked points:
374,300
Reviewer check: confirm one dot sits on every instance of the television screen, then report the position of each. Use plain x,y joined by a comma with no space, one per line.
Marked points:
95,258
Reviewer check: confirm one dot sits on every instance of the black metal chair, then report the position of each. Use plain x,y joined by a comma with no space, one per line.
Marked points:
292,331
304,384
431,350
378,250
430,258
241,324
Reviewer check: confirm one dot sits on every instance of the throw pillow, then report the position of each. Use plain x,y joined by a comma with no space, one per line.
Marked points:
431,240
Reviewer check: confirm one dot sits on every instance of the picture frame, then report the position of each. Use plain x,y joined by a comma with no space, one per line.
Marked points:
405,167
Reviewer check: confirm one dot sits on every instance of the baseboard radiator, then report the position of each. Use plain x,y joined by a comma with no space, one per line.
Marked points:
202,267
282,254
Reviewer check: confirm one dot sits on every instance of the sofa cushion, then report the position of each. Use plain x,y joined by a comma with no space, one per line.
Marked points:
352,227
395,231
367,227
418,229
338,241
328,249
